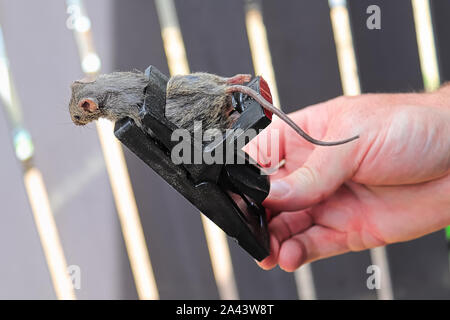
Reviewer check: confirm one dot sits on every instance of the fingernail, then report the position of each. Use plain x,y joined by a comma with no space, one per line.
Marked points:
279,189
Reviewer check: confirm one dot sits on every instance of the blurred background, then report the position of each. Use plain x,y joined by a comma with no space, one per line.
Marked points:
83,218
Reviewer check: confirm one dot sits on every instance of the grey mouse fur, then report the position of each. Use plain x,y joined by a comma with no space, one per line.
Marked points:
112,96
195,97
201,97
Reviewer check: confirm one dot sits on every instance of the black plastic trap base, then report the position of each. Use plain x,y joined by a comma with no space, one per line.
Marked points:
228,194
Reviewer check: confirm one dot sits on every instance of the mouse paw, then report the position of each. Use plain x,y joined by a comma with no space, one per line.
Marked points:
239,79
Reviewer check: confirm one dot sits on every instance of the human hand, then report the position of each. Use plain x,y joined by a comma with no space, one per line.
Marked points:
390,185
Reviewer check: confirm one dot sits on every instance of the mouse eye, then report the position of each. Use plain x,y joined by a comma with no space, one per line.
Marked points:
77,118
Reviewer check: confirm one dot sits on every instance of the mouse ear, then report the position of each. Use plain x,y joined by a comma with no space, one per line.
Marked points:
88,105
82,82
85,80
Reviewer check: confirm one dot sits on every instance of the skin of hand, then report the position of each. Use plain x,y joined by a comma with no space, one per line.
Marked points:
390,185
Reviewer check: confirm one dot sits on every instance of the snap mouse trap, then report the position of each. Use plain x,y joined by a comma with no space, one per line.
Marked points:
229,193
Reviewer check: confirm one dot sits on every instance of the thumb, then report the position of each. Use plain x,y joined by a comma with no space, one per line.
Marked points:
323,172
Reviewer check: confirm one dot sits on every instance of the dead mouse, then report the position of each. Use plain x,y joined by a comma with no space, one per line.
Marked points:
194,97
112,96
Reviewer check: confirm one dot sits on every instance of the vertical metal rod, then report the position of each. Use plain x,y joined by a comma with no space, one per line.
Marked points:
34,184
262,62
348,69
259,47
216,240
379,258
426,44
48,233
116,166
345,51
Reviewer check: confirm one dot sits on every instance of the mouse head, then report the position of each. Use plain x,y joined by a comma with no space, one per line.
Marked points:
84,103
112,96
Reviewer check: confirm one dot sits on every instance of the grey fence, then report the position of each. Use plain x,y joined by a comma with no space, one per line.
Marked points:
304,56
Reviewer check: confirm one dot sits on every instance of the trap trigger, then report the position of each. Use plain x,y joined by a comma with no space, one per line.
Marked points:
229,194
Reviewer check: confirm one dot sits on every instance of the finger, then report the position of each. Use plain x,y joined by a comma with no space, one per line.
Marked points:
287,224
267,148
272,260
282,227
270,214
315,243
322,173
